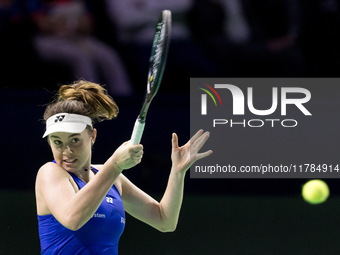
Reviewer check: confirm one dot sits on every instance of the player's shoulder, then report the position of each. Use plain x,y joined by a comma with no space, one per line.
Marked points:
48,167
51,169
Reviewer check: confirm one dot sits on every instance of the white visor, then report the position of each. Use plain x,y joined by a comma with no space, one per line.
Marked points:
66,122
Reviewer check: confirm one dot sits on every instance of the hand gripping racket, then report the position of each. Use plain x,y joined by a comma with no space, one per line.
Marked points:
157,60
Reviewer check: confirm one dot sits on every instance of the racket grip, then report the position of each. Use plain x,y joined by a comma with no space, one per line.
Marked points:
137,132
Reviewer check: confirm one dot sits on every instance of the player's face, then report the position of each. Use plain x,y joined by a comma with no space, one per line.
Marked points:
72,151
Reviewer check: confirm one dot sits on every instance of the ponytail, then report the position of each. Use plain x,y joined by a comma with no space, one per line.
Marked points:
84,98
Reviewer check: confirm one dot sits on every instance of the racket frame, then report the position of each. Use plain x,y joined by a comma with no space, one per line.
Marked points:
158,58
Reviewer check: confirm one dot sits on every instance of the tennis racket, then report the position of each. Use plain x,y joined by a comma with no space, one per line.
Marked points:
159,53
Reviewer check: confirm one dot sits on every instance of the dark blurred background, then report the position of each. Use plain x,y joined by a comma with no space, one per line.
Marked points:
46,43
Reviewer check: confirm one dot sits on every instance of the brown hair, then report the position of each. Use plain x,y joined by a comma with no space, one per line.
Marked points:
84,98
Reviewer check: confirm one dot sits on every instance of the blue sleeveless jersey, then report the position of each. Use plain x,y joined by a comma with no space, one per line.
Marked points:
100,235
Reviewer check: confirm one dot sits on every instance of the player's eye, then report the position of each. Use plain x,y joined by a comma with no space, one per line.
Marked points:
57,142
75,140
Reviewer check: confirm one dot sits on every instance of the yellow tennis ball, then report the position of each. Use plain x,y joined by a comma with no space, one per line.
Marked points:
315,191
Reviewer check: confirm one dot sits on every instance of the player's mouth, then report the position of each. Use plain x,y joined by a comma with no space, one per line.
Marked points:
69,161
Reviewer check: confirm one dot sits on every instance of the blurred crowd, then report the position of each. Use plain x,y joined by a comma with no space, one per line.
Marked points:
46,42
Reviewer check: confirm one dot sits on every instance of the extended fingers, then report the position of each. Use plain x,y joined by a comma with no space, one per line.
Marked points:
174,141
200,140
197,135
204,154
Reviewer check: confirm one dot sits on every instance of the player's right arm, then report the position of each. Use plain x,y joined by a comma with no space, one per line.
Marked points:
58,194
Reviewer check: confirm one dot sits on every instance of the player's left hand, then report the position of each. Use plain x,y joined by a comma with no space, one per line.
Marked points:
183,157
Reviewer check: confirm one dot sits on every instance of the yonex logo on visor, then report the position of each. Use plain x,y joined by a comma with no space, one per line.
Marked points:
59,118
66,122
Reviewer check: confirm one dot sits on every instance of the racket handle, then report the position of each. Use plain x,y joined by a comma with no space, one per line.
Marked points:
137,132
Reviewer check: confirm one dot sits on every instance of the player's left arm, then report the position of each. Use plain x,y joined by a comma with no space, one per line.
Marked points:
164,215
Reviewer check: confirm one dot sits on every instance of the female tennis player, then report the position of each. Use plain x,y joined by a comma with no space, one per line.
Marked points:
81,207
